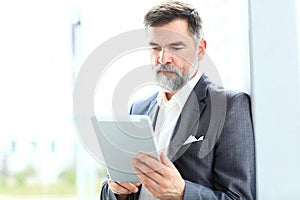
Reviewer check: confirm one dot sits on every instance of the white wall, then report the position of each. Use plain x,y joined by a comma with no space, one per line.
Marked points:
275,67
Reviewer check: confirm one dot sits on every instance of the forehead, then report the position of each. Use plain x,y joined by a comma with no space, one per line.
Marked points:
175,31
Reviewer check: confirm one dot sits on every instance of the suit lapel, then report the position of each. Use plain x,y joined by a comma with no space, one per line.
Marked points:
189,119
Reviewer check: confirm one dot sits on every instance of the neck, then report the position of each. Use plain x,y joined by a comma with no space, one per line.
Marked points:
169,95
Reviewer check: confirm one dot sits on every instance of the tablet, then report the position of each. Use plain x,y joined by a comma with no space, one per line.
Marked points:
120,140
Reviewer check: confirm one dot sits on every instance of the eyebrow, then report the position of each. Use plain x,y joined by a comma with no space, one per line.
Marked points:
153,44
179,43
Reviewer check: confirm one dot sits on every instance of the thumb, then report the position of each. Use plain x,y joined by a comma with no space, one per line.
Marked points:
165,161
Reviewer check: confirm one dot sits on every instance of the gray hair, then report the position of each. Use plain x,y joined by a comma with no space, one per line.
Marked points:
171,10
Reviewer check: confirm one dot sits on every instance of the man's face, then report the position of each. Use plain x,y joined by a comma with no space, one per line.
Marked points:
174,55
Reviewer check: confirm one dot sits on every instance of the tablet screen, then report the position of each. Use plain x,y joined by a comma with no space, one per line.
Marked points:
121,140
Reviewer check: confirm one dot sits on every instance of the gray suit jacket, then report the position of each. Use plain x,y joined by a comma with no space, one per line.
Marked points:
222,165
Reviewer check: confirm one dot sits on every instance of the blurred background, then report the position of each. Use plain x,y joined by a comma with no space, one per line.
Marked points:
44,43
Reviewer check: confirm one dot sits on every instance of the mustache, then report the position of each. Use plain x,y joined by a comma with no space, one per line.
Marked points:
169,68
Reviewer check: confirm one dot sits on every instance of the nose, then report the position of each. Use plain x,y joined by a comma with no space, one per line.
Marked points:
164,57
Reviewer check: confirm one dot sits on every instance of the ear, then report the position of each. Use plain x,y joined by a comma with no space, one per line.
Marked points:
201,49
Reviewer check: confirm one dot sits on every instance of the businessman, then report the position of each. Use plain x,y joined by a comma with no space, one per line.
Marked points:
204,132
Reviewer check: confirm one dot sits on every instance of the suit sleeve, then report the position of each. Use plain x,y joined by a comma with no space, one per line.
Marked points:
234,157
107,194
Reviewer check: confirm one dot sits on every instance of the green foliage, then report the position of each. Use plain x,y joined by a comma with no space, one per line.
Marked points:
68,176
66,185
22,175
59,188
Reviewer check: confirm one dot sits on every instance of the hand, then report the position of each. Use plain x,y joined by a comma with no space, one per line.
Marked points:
123,188
162,179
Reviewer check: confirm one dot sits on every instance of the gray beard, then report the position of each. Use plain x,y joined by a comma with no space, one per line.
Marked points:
171,83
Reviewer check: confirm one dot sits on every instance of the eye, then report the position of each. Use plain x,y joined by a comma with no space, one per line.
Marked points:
176,48
156,48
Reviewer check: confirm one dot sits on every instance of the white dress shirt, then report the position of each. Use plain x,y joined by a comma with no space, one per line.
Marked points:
167,117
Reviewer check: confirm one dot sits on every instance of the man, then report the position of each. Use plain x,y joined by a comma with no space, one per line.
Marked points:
205,133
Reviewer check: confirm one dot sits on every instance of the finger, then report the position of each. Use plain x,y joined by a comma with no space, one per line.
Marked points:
117,188
152,162
148,183
122,187
129,186
165,161
143,168
137,184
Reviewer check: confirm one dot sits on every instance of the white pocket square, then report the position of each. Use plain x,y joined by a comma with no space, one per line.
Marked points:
191,139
